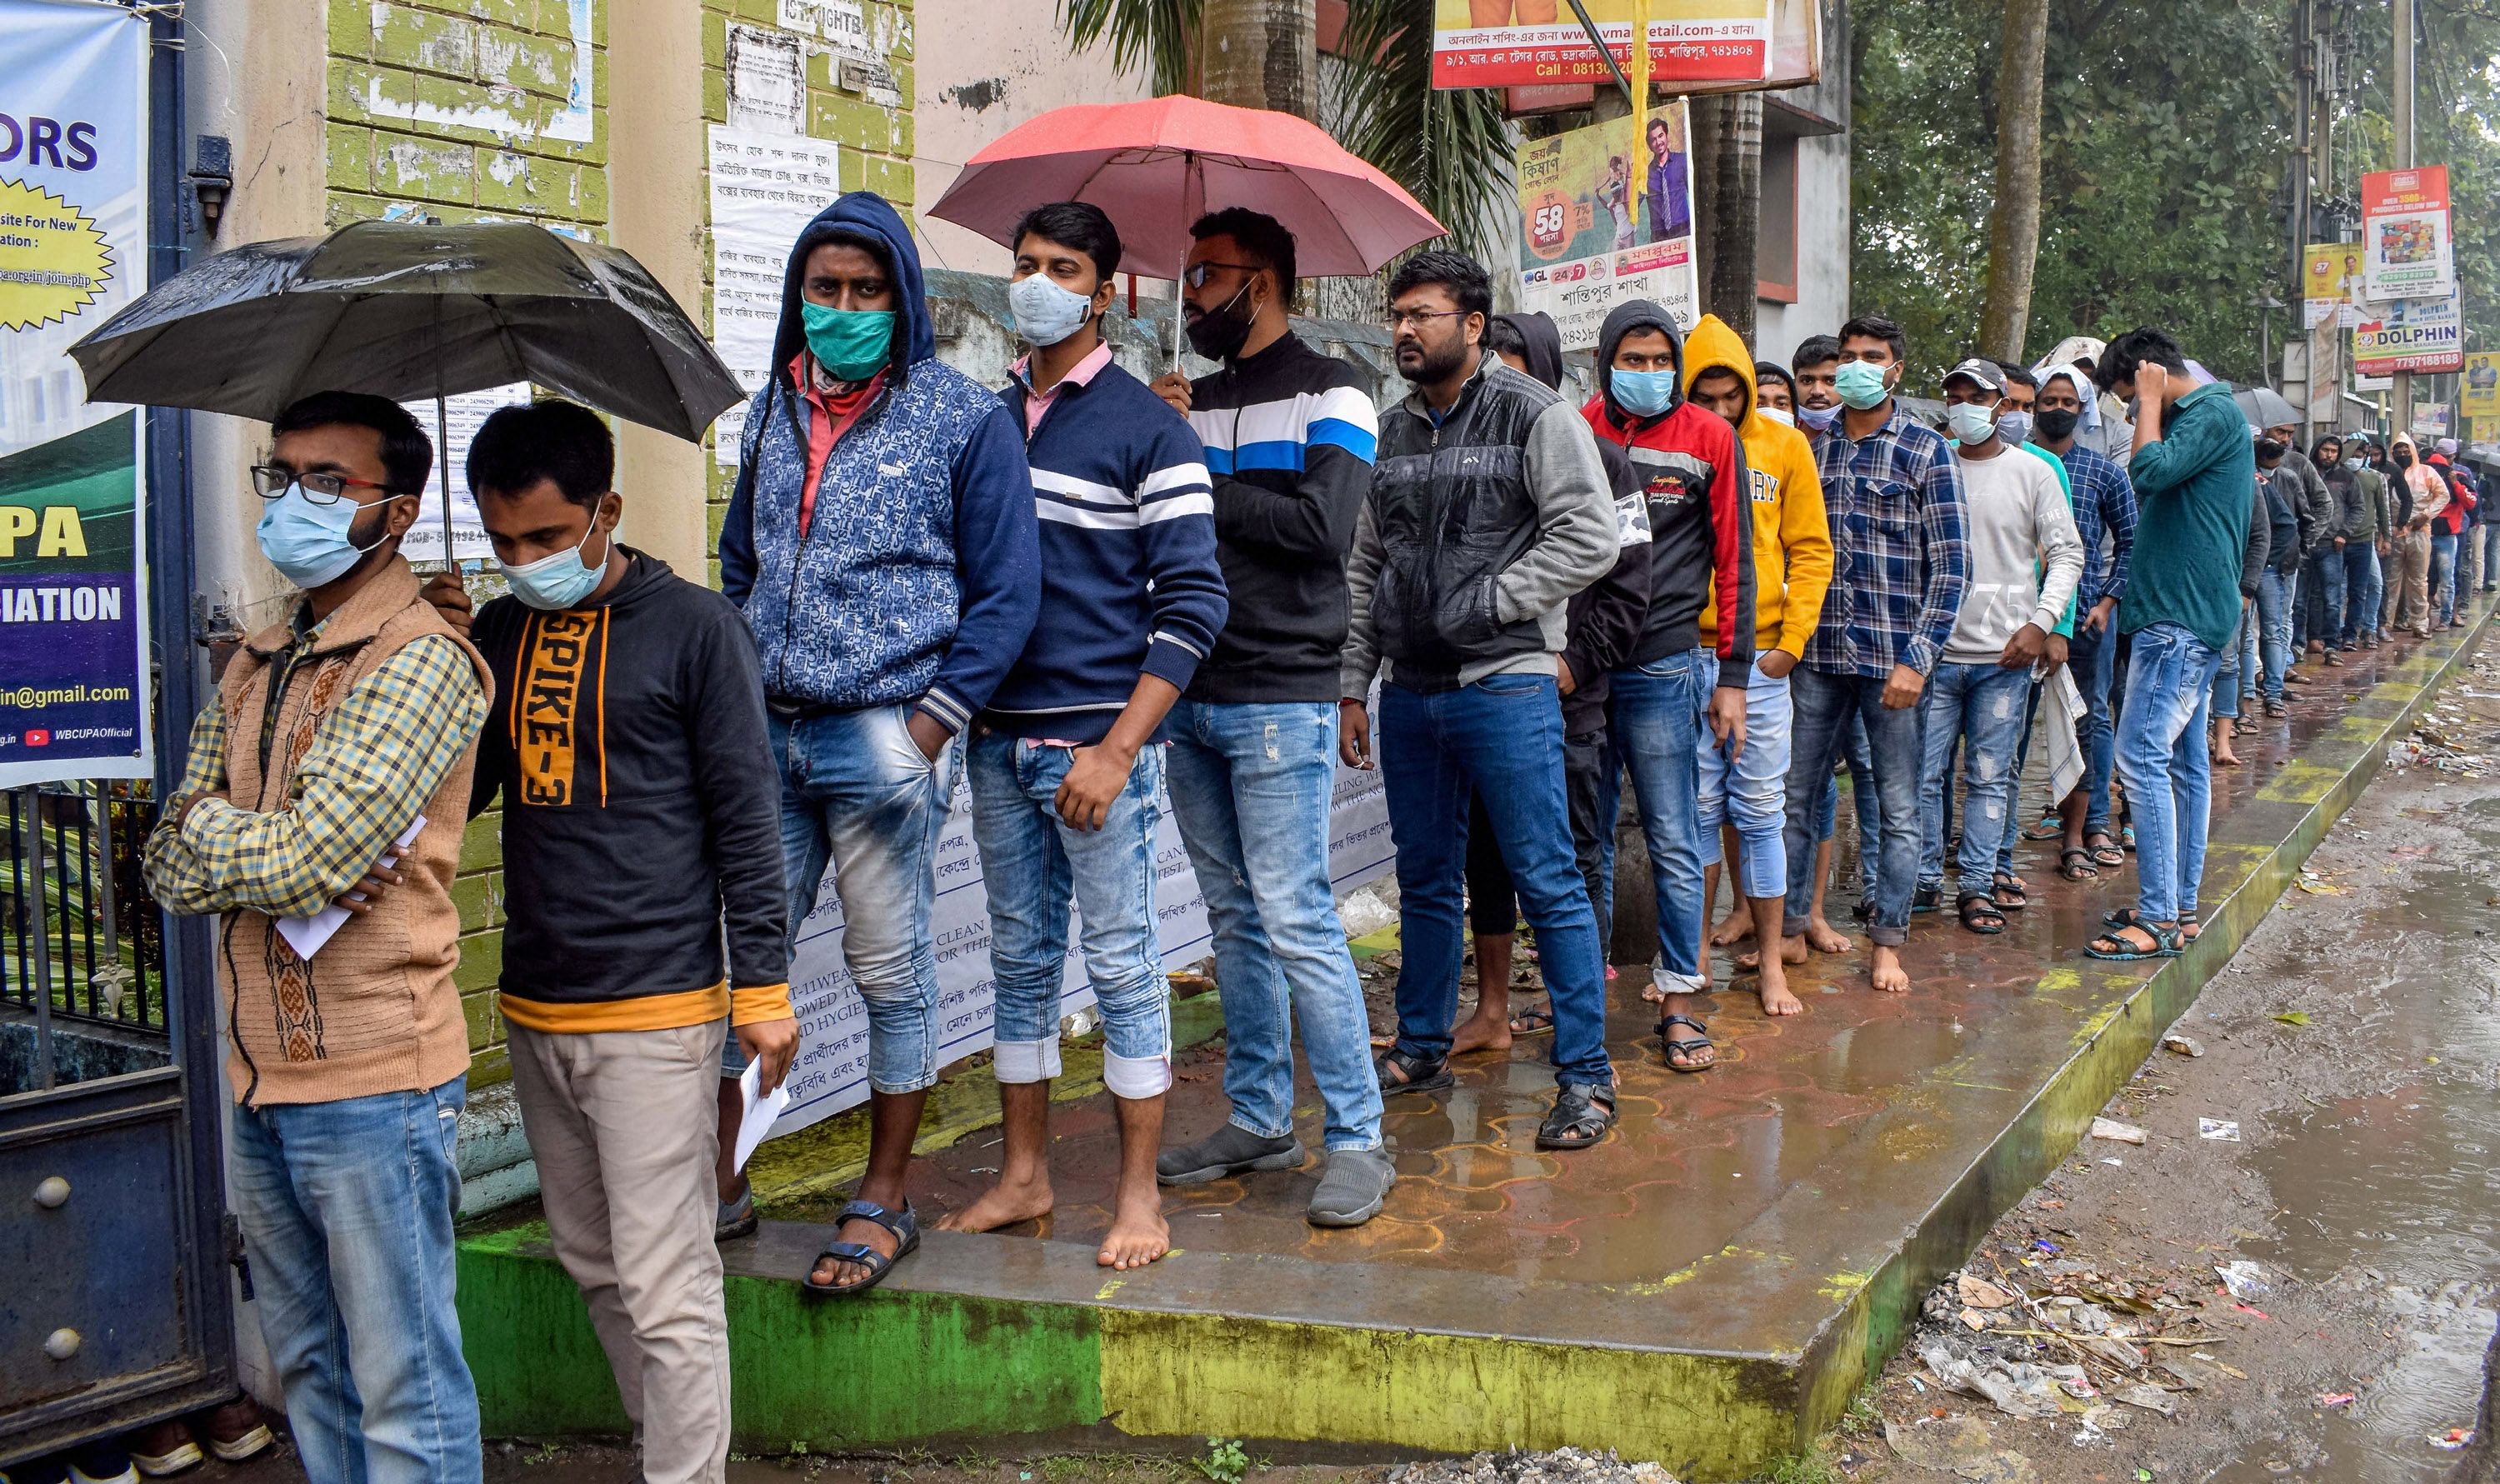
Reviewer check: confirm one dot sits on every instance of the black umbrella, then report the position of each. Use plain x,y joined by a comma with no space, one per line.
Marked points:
410,309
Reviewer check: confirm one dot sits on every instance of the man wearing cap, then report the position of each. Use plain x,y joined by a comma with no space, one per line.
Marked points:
2015,525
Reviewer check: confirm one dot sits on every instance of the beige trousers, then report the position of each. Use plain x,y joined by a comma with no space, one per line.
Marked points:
2413,552
625,1128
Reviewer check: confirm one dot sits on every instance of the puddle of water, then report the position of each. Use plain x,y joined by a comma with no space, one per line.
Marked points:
2392,1191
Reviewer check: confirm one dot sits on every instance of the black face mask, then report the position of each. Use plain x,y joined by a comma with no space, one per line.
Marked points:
2404,460
2056,423
1219,333
2269,449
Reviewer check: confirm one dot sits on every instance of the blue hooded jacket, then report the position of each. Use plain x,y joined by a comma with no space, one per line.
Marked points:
919,577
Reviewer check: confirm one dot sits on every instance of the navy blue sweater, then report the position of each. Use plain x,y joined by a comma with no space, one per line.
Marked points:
1129,584
916,580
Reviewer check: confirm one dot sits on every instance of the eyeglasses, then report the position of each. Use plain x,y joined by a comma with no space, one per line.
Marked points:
1398,319
1196,274
272,480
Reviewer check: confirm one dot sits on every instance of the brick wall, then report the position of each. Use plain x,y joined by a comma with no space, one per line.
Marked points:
875,139
469,109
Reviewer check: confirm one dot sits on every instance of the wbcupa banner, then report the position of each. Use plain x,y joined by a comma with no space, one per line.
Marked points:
74,690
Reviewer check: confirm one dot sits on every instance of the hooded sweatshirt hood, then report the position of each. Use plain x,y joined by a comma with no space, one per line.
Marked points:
1544,345
1622,320
865,217
1714,346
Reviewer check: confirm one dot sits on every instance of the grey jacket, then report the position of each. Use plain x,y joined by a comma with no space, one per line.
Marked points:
1475,536
2321,514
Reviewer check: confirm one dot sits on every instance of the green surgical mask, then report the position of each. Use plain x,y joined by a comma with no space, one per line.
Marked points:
851,345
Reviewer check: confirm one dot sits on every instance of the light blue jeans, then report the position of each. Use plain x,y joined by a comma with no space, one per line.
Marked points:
2443,574
1753,790
1034,866
2489,532
1251,785
2165,759
858,794
1981,706
346,1211
1826,704
2368,587
2276,592
1658,728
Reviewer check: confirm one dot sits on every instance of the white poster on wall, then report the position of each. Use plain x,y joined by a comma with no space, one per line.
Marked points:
763,189
462,416
767,81
831,1071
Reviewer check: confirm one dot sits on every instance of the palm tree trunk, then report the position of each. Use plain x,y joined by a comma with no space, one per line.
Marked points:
2014,224
1736,220
1261,53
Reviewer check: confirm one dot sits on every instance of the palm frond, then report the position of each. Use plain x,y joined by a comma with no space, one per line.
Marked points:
1151,35
1451,150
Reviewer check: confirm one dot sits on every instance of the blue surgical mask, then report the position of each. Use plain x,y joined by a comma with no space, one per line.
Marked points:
2014,427
1971,423
1643,393
1862,386
1815,419
1046,314
560,580
308,543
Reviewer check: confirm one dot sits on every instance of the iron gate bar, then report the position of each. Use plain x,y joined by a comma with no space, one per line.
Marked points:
39,940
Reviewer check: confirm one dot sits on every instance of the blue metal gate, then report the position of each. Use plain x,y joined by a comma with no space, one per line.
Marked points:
114,1310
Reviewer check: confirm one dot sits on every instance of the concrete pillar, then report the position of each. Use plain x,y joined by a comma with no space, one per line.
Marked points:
655,122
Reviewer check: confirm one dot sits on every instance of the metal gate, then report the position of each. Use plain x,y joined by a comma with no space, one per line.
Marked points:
114,1309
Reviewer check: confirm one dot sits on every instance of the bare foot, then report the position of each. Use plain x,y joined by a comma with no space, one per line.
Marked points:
1792,951
1774,987
1733,929
1822,938
1482,1032
1138,1236
1887,974
1652,994
1002,1204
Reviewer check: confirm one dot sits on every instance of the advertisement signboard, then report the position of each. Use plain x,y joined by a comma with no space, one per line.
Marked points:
73,676
2405,248
1605,217
2420,335
1525,43
2482,395
2330,283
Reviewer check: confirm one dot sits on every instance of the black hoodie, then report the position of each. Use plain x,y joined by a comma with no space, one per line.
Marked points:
642,811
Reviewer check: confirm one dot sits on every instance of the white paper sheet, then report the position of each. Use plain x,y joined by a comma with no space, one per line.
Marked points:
757,1112
306,935
763,189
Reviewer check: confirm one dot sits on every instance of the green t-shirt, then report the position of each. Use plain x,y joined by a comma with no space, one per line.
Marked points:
2193,487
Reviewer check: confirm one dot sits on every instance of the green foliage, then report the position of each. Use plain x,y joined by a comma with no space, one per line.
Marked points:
1226,1461
1451,151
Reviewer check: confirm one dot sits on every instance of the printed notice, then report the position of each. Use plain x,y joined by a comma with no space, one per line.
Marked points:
765,187
767,81
462,416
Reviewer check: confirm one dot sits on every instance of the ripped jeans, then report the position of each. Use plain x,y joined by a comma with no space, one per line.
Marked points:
1981,706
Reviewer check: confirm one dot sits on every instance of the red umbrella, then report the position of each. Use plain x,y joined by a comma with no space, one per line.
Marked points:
1156,166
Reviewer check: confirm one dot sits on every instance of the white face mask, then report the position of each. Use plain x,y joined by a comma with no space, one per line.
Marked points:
1971,422
1046,314
1779,414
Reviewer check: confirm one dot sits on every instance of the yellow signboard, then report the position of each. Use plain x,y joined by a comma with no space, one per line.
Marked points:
2482,396
2330,279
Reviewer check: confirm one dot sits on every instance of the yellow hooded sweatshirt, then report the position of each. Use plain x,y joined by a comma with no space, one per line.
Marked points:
1792,535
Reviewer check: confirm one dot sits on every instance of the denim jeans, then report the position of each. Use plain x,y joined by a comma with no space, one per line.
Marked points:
2087,657
1250,787
1034,866
1824,704
1982,707
2276,592
2164,758
346,1211
1863,800
2227,672
2489,532
2443,574
1658,731
1752,790
1502,737
2363,592
2324,600
857,793
1592,794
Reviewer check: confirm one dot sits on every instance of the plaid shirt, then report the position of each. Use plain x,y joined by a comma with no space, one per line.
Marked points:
1899,559
377,757
2104,502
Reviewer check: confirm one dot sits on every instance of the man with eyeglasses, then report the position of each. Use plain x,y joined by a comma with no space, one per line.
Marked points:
1252,770
1470,628
336,753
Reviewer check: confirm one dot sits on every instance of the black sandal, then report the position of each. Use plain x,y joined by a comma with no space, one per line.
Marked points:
1414,1073
1690,1046
2106,853
1581,1116
2010,885
2075,863
1926,899
905,1228
1978,914
1538,1022
2165,945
